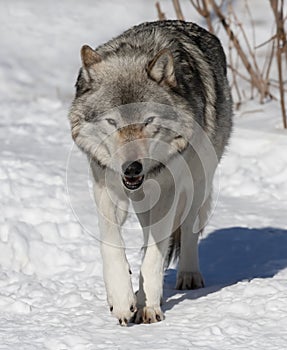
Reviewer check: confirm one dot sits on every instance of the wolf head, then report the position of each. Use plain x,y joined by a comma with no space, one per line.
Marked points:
123,115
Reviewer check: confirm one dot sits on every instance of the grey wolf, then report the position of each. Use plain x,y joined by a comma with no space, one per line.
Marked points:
153,114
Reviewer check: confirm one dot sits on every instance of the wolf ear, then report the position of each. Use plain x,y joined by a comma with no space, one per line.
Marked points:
89,57
161,68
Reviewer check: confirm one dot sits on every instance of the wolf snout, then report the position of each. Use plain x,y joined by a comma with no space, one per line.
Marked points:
132,174
132,169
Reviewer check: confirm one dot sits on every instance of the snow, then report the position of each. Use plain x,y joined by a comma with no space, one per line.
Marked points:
52,293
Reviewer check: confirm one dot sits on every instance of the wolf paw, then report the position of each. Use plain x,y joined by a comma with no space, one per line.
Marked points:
148,315
189,280
124,315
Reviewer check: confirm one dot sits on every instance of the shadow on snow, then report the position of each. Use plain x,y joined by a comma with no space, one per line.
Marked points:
232,255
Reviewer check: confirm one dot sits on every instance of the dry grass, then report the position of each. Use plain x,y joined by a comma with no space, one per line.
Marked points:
243,51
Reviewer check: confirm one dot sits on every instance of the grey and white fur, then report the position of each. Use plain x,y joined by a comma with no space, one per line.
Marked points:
152,106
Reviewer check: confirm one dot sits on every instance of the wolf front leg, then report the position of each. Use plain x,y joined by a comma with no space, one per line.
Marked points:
116,270
149,296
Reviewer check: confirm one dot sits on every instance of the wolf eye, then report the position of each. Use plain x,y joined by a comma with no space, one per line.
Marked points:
148,121
111,121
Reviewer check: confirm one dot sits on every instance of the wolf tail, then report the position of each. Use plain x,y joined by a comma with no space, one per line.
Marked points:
174,247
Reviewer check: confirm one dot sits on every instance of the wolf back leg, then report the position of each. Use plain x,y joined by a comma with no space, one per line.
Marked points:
188,275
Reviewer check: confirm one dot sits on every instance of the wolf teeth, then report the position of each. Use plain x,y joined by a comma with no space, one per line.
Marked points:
135,184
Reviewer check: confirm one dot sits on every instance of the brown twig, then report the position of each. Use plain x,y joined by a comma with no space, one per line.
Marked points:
255,77
203,9
276,85
177,9
160,14
281,45
252,54
234,79
247,7
237,72
266,42
250,50
269,62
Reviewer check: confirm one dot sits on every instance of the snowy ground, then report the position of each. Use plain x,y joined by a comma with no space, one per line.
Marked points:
51,289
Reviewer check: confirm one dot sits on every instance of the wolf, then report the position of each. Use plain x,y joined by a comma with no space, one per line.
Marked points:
153,113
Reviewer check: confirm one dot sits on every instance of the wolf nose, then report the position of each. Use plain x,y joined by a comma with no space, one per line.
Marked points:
132,169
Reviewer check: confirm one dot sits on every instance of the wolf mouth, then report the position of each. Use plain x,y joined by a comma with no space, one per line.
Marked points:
133,182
